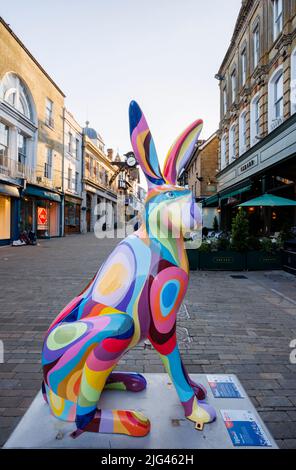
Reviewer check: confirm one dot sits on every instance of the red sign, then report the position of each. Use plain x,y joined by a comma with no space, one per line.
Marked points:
41,218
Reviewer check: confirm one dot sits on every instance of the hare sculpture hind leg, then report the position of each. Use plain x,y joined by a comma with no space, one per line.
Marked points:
135,295
78,358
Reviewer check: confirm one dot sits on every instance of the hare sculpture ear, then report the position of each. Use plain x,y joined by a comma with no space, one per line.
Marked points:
143,145
181,151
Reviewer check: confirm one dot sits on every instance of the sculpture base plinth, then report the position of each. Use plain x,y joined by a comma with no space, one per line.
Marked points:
159,402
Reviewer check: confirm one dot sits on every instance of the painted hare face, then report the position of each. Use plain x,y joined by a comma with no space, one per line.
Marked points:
169,209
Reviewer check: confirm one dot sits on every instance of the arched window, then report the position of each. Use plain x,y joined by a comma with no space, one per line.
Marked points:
293,82
223,152
276,99
255,119
232,146
243,132
14,92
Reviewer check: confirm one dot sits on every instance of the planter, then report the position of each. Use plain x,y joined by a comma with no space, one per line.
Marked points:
193,259
260,260
222,261
289,261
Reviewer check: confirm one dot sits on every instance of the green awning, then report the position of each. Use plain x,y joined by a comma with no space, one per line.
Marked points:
235,192
41,193
268,200
8,190
211,201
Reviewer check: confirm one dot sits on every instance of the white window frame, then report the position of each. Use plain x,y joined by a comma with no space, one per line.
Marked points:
256,45
49,112
243,132
293,82
223,152
255,119
277,18
232,143
70,178
273,100
244,65
224,100
233,86
48,163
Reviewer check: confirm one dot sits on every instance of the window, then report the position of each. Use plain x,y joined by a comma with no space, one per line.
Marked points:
293,82
232,146
255,120
224,101
70,142
256,46
69,178
276,99
91,166
233,86
4,142
16,94
223,153
76,181
49,113
277,18
48,163
244,66
243,133
77,142
22,149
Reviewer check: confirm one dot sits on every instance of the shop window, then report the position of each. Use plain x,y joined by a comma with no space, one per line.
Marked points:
276,99
255,120
293,82
4,143
277,18
243,133
223,152
232,145
16,94
4,218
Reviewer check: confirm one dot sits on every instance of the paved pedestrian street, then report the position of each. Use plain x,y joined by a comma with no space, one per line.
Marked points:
227,325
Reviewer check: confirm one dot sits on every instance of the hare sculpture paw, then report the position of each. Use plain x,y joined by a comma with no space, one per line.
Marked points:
202,414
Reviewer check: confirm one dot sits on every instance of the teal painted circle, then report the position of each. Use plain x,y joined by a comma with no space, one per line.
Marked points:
168,297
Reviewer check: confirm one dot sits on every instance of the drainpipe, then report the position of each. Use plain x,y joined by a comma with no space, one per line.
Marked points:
62,230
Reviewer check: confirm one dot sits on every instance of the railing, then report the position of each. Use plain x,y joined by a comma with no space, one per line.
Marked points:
12,168
102,181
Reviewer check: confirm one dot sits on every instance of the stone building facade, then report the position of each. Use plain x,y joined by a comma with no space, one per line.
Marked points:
31,143
201,173
257,131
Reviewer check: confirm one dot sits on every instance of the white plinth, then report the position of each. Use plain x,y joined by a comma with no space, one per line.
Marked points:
169,429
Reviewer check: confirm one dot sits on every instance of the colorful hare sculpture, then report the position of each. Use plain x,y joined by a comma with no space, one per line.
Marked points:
135,295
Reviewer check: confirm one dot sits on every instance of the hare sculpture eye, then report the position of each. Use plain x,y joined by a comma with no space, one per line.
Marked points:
170,195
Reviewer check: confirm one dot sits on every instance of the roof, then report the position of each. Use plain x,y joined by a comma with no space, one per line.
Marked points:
7,27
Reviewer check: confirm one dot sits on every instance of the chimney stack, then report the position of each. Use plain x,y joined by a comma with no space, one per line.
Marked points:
110,154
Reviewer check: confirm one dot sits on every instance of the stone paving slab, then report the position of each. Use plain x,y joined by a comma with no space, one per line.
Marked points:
239,326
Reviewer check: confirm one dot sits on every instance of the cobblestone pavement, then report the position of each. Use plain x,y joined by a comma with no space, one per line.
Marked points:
228,325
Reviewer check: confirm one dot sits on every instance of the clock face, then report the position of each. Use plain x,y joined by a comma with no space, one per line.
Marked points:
131,161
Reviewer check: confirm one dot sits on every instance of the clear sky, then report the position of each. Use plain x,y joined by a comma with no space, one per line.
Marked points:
103,53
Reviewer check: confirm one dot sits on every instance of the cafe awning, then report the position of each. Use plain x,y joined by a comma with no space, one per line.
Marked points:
226,194
9,190
41,193
268,200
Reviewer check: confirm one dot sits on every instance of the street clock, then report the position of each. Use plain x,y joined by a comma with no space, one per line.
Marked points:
130,159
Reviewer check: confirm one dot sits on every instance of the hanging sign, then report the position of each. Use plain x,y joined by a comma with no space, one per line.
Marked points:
42,218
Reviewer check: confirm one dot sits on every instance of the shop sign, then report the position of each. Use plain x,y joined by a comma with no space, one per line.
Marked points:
42,218
248,165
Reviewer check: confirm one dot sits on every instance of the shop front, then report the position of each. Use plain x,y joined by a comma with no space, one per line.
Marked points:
72,214
41,212
9,209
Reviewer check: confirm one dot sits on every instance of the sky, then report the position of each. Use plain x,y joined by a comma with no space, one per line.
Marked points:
104,53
